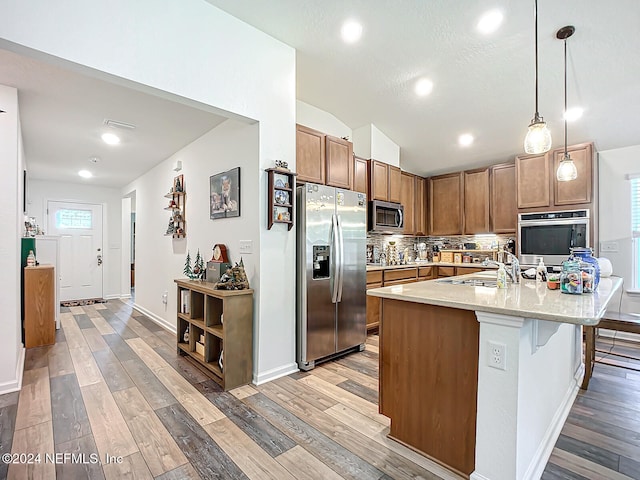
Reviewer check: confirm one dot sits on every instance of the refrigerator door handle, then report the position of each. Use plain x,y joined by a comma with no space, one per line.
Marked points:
341,259
333,274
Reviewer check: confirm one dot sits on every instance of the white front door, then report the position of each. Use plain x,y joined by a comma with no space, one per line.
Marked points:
79,226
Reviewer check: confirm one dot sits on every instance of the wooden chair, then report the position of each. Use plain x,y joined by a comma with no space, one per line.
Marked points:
620,322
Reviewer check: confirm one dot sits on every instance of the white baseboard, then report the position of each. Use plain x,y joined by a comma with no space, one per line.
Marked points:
477,476
111,297
155,318
15,385
274,373
541,457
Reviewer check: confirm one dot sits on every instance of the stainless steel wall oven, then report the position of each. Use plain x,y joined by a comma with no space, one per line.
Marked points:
551,235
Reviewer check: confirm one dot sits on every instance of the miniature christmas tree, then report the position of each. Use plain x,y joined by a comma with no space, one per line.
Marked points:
198,266
187,266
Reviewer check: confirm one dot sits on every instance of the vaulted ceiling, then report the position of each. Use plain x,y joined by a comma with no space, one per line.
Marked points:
483,84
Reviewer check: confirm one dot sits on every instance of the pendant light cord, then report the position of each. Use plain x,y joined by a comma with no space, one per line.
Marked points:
535,17
565,98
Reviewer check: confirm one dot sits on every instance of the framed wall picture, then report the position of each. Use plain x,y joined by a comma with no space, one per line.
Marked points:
225,194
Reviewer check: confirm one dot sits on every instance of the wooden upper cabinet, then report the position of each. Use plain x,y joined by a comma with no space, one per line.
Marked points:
421,206
379,181
503,199
445,204
476,201
310,155
395,182
361,175
407,199
532,181
579,190
339,162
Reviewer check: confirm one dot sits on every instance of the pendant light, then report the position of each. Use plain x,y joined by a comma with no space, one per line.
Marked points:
566,169
538,139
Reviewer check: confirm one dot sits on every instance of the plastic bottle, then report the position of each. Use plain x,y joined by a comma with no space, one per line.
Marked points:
501,280
541,272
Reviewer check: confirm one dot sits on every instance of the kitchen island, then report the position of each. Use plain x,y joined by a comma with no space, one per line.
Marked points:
481,379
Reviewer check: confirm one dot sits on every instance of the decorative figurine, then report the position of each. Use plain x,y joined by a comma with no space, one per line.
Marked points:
185,337
171,227
187,266
198,267
178,185
281,164
31,259
234,278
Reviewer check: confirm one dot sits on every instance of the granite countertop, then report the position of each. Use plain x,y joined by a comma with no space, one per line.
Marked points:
371,267
526,299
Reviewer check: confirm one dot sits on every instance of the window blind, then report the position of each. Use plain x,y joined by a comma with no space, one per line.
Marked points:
635,207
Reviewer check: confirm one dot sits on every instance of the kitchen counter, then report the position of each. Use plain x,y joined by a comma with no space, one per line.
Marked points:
372,267
526,299
482,379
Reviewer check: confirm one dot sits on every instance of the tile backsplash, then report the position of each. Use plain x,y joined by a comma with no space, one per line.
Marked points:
379,243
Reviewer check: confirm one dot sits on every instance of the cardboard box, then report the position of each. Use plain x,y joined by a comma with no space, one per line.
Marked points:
200,348
446,257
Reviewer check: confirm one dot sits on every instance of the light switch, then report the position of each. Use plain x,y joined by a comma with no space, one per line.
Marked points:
246,246
608,246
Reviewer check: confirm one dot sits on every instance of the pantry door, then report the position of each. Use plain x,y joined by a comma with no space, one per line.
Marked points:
79,226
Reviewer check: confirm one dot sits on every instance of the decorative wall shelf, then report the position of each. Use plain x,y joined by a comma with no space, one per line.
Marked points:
281,190
177,227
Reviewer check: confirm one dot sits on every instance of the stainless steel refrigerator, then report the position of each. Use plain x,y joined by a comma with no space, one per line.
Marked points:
331,273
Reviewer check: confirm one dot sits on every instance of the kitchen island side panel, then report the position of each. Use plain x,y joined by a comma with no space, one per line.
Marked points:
429,379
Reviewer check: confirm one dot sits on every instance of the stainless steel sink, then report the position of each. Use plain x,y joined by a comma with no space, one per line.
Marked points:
473,282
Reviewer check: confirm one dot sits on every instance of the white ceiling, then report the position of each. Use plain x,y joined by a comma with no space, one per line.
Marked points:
62,116
484,85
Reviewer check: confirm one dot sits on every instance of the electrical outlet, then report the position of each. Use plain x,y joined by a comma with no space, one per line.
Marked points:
165,297
246,246
497,355
608,246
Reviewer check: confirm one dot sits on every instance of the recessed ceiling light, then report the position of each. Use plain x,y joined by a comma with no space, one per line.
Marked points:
94,159
490,21
573,114
465,139
423,87
351,31
110,138
85,174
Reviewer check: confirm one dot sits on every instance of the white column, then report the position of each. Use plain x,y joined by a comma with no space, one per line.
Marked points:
496,424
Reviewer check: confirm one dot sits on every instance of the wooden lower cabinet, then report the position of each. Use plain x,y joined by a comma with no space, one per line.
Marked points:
429,379
224,320
39,306
446,271
374,280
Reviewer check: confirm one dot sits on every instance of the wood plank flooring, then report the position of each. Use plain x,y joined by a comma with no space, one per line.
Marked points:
114,385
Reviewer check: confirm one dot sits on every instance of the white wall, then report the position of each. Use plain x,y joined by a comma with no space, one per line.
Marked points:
11,219
615,215
188,50
370,142
40,191
229,145
318,119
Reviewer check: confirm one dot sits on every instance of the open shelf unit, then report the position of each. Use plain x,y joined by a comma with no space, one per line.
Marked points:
224,320
281,190
177,196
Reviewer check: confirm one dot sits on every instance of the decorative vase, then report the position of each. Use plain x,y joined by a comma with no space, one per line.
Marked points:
185,337
585,255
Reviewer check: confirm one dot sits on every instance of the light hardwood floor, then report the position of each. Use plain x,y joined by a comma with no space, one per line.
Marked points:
114,385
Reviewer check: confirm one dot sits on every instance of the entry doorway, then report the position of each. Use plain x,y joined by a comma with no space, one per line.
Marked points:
79,226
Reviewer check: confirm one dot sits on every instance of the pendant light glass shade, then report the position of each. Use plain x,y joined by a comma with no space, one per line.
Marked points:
567,170
538,139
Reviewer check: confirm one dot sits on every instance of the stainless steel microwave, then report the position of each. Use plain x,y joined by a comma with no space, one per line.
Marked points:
551,235
386,217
